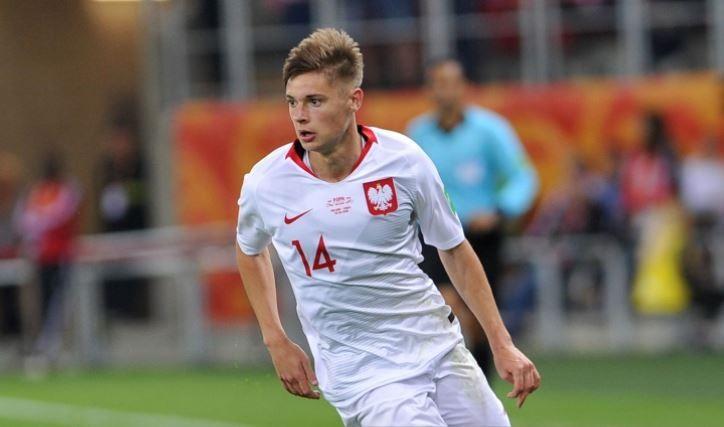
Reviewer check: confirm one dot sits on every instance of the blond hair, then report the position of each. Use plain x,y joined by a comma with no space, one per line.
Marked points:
328,50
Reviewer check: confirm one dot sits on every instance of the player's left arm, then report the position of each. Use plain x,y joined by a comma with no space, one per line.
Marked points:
468,277
441,228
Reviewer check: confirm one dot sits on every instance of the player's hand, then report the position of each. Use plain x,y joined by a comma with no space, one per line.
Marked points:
514,367
294,369
484,222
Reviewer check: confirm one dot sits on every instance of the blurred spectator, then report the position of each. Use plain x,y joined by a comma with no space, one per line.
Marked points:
122,176
677,47
123,206
702,193
47,223
702,185
10,171
291,12
585,202
707,290
496,56
485,171
648,176
390,64
649,188
9,192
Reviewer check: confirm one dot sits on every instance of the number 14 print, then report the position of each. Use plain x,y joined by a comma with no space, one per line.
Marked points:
321,258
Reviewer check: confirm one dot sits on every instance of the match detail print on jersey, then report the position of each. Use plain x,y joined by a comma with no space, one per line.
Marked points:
381,196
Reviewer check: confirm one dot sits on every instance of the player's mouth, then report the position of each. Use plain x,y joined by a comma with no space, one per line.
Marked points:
307,136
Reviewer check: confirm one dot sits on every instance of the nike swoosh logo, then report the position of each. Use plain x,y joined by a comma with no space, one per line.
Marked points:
288,220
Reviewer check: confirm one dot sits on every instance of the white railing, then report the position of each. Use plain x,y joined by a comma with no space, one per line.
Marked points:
183,255
546,256
174,253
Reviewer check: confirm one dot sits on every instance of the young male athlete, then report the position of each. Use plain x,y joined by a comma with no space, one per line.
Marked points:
342,205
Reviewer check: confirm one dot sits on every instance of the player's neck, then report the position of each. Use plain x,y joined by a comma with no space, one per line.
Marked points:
448,118
337,164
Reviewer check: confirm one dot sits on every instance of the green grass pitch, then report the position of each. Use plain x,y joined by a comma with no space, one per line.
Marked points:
675,390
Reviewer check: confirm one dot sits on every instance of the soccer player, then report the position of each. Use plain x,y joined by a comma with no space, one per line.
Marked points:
487,175
342,204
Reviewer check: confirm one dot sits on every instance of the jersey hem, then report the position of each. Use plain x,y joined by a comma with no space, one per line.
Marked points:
449,244
247,249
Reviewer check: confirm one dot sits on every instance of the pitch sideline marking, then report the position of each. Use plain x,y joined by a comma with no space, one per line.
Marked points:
71,415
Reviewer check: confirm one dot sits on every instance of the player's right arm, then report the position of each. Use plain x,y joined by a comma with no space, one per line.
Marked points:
291,363
254,263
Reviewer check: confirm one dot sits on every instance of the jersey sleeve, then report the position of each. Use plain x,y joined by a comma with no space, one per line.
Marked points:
251,234
436,214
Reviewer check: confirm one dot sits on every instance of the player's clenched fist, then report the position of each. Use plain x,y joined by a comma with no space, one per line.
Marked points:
293,368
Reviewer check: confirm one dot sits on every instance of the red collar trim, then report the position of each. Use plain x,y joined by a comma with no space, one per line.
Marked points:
296,152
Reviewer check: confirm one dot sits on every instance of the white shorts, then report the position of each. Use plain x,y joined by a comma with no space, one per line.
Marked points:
452,392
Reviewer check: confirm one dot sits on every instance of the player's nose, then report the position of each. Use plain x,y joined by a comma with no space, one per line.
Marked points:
299,115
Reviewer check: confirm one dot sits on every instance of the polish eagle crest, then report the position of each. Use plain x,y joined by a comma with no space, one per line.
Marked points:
381,196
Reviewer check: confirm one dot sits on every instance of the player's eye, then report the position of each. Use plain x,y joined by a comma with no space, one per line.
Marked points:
316,102
291,102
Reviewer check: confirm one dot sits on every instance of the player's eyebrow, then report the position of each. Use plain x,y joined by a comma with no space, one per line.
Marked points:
310,96
315,95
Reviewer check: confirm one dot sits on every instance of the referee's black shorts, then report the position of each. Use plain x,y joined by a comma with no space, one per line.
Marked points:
488,246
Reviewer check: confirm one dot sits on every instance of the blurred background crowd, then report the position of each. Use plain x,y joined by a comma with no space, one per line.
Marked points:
122,116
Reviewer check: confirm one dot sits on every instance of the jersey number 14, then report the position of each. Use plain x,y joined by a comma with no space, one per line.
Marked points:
321,258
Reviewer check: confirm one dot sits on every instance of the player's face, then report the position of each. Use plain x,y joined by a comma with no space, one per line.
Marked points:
447,85
321,110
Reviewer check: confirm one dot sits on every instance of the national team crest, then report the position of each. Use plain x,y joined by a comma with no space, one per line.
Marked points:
381,196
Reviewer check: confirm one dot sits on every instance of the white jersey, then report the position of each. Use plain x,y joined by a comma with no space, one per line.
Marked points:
351,252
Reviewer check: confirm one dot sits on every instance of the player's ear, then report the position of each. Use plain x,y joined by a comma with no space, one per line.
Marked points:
355,99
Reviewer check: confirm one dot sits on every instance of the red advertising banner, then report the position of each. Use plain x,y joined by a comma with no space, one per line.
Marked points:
594,120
